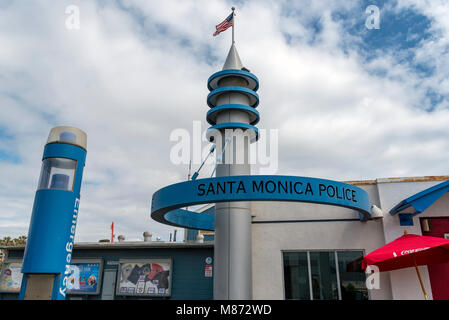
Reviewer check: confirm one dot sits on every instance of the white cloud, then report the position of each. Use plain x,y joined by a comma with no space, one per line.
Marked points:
133,73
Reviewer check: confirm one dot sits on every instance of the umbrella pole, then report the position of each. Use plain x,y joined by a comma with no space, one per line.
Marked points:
420,280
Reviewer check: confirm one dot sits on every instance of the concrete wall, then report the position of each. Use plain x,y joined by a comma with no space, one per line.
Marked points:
405,282
274,236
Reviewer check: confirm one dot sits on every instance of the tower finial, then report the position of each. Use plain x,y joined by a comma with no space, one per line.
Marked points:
233,61
233,23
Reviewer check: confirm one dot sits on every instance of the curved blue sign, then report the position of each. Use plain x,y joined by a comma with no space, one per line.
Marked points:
166,202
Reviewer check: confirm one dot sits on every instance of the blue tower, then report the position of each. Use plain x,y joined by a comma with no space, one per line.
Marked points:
52,228
232,115
233,99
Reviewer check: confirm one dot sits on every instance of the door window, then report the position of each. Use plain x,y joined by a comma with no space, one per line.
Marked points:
324,275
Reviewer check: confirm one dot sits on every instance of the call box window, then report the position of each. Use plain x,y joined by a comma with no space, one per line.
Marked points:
324,275
57,173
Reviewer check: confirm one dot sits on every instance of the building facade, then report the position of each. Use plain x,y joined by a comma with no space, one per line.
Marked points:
299,251
312,251
127,270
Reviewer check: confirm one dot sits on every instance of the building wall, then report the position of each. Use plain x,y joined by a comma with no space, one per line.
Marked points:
188,279
277,227
405,282
272,234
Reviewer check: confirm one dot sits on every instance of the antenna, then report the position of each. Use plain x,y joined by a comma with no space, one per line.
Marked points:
195,175
112,232
190,169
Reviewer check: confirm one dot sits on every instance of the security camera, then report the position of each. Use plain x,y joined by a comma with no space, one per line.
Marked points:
376,212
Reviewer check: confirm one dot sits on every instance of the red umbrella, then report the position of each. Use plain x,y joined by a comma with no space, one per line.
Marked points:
410,250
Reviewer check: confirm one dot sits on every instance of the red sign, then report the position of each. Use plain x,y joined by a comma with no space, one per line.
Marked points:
208,271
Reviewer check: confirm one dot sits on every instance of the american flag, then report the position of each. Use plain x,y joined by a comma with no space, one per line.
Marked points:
228,22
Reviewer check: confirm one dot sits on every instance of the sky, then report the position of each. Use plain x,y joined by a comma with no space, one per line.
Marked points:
351,98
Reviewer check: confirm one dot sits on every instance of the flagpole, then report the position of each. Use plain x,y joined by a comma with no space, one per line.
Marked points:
233,22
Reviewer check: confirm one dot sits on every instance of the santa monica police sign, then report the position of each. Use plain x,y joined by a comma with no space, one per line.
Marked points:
166,203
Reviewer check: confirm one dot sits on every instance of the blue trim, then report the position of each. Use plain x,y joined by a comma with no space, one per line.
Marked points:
167,200
23,287
235,125
56,150
234,72
57,285
213,95
212,112
405,219
190,219
422,200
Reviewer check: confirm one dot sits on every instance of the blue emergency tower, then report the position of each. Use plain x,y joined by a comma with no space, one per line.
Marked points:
48,252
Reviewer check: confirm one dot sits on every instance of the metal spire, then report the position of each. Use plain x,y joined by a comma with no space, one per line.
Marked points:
233,61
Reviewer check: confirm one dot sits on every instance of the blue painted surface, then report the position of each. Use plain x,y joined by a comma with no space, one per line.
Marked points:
253,84
49,231
212,96
422,200
405,219
189,219
235,125
244,74
166,202
211,114
192,233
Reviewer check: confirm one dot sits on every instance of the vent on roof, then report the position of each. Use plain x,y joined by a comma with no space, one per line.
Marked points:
147,236
199,238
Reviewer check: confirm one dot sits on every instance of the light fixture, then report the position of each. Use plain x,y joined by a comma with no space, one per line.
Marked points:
376,212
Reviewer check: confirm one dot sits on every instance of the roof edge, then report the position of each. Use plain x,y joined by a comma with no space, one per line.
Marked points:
129,245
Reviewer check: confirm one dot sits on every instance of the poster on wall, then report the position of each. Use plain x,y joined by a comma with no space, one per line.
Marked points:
11,276
149,277
84,277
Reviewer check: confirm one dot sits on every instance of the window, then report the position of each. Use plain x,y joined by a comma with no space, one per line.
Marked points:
352,277
57,173
296,276
324,275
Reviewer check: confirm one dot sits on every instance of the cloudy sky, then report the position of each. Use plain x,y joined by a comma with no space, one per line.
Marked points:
349,102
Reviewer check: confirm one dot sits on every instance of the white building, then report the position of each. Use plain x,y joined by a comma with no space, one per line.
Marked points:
296,246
